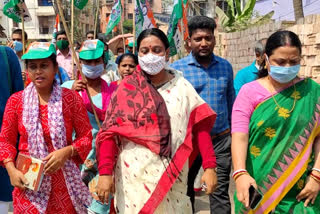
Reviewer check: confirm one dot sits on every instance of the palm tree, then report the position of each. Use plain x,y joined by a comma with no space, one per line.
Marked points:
298,9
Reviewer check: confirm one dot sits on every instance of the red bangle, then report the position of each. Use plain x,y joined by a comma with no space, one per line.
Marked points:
317,177
7,161
240,171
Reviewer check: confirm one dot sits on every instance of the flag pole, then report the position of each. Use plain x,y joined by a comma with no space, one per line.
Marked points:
134,26
23,33
96,21
72,33
124,44
77,60
182,37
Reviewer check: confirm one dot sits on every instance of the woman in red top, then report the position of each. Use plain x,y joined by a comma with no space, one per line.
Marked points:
45,116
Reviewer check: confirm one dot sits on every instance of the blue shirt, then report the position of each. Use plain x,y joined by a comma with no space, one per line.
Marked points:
245,75
64,76
214,84
10,68
13,68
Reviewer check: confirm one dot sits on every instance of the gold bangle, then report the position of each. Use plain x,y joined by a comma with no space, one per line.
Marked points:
72,151
238,175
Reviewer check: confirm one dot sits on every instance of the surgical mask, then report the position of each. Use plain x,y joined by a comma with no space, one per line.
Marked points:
17,46
152,64
62,44
283,74
92,72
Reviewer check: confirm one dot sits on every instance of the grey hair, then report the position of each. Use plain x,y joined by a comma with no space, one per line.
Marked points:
260,46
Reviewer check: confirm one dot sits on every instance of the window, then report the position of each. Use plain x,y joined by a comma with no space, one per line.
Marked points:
129,1
46,24
130,16
203,8
223,5
45,3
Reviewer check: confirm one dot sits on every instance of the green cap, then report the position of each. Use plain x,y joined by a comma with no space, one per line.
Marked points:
91,49
131,44
39,50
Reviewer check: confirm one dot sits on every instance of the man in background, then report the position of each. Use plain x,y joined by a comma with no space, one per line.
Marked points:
64,54
250,73
16,44
212,78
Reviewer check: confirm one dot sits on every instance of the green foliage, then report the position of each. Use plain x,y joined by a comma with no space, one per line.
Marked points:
237,19
128,26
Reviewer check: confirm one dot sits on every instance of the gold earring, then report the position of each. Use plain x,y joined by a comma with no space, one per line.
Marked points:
265,67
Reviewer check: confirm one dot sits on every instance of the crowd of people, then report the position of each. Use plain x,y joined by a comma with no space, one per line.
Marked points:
129,133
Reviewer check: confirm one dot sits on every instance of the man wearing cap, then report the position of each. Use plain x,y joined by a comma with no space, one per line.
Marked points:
92,62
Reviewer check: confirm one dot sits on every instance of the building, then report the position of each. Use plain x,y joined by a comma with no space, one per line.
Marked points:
284,8
43,14
41,25
128,10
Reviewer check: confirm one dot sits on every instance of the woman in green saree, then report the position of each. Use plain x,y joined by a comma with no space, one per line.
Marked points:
275,134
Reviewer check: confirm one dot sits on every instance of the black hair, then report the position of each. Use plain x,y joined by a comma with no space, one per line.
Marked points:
153,32
42,40
276,40
90,32
130,55
52,57
19,31
201,22
61,32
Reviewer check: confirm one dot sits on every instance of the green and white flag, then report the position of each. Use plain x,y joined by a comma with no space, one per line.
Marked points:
12,9
80,4
144,16
173,32
115,16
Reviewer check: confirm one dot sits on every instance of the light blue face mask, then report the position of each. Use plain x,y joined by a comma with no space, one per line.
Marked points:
92,72
17,46
283,74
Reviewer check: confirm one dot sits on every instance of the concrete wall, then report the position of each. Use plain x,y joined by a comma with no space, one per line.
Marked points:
238,47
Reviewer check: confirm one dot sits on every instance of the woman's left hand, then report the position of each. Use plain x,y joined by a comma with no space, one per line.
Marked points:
209,177
57,159
309,192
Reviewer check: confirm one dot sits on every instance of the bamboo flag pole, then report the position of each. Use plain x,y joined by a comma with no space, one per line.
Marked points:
134,26
182,38
23,34
124,44
96,22
76,59
72,33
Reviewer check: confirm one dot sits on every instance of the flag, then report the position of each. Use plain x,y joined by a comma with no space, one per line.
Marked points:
174,35
56,29
11,9
115,16
80,4
144,16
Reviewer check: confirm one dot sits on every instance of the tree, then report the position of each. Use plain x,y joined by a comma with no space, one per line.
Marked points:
237,19
128,26
298,9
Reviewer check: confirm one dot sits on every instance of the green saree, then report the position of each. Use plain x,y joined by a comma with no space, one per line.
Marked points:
280,150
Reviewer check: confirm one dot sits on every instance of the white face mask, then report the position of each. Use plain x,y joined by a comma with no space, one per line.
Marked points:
152,64
92,72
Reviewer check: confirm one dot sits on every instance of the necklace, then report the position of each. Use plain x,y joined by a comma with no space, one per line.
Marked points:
294,102
167,79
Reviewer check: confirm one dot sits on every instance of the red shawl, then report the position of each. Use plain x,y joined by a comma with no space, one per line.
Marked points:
106,92
138,112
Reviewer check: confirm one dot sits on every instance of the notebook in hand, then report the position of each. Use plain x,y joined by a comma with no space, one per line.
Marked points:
32,168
